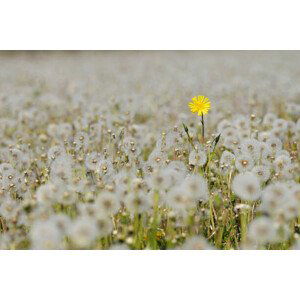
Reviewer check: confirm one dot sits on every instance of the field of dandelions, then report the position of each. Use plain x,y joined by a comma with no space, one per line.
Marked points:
99,150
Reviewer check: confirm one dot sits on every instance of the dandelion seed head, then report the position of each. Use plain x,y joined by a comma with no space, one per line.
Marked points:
246,186
262,230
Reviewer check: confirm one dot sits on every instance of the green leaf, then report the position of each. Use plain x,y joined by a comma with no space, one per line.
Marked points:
185,128
216,141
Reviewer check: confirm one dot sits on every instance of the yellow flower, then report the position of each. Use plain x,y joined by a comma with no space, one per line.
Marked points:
200,105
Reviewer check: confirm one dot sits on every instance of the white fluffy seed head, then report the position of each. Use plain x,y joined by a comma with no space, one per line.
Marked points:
275,144
274,197
107,203
227,158
244,162
262,230
197,187
197,158
262,172
251,147
246,186
196,243
83,231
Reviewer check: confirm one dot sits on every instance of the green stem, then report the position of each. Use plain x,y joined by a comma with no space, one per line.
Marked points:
188,135
244,222
153,228
136,228
202,121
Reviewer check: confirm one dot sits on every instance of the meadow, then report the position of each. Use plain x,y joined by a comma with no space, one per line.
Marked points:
100,150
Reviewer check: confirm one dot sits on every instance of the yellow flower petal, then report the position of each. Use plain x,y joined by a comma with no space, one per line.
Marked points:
200,105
